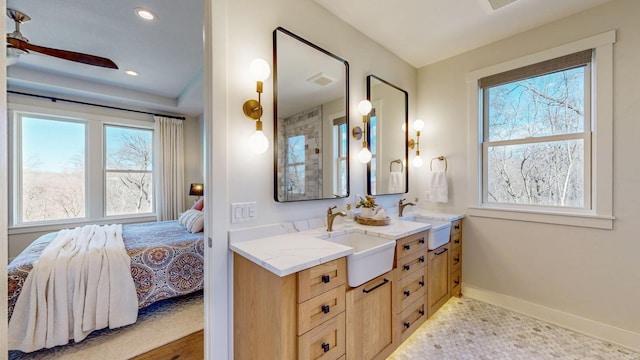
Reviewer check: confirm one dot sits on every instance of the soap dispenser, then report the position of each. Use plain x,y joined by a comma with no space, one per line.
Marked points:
349,212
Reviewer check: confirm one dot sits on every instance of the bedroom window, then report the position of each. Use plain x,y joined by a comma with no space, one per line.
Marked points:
537,134
51,168
128,170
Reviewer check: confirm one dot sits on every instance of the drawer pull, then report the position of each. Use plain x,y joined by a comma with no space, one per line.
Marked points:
407,293
326,309
457,282
407,246
421,312
326,279
407,325
442,251
457,227
326,347
457,241
421,283
375,287
406,267
421,259
457,259
421,240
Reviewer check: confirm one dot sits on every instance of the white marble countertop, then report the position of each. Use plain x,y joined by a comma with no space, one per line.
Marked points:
290,252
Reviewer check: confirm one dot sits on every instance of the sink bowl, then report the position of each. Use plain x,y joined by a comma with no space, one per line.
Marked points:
439,232
372,256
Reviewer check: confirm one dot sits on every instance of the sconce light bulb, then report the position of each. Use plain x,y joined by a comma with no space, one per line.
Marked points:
259,70
418,125
258,142
364,107
417,161
364,156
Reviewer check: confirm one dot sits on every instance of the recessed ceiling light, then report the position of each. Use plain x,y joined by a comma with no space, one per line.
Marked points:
131,72
145,13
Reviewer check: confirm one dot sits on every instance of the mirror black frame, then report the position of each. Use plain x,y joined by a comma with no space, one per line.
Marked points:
406,135
275,111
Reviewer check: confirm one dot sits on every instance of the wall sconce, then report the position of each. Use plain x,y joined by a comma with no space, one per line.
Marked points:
260,71
364,107
418,125
196,190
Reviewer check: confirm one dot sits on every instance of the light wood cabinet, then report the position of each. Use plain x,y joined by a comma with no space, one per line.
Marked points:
371,318
190,347
438,274
455,258
299,316
411,292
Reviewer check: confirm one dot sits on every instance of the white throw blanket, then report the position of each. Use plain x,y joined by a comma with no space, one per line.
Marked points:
81,282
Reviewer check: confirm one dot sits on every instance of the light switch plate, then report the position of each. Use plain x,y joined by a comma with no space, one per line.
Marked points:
243,212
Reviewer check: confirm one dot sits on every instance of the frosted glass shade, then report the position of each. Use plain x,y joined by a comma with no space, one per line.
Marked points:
258,142
259,70
364,156
364,107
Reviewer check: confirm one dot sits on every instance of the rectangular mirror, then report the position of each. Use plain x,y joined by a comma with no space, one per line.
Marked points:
311,102
387,172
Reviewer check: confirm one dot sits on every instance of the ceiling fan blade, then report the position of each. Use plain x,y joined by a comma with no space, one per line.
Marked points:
63,54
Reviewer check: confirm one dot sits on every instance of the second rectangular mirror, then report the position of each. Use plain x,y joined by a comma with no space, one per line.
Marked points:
388,120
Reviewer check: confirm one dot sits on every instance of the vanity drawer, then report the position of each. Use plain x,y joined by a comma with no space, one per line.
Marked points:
411,263
319,309
455,256
411,244
412,287
456,284
456,227
321,278
456,240
412,317
326,341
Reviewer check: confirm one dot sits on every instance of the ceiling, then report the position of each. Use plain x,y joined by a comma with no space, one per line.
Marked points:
422,32
167,52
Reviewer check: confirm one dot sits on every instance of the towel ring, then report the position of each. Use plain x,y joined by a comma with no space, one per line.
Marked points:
396,161
441,158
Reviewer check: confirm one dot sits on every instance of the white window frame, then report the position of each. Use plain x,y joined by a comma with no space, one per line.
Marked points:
94,196
600,214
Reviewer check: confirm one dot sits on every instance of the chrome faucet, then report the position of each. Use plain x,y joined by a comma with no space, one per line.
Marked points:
331,216
401,206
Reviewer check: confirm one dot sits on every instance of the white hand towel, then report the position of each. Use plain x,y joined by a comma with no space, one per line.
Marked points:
396,182
437,190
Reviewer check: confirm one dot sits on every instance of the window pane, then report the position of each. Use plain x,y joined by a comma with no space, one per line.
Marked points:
548,173
546,105
53,169
128,180
129,193
128,148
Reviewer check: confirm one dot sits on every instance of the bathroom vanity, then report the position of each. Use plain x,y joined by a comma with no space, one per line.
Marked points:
284,312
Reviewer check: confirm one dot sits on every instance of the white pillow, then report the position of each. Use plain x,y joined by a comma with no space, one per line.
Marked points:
193,220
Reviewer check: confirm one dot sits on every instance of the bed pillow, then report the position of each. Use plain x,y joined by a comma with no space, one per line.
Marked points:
193,220
199,205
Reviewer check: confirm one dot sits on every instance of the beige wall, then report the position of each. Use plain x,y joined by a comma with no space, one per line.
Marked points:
593,274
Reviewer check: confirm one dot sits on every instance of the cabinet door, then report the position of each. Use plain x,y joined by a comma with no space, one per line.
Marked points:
437,278
370,319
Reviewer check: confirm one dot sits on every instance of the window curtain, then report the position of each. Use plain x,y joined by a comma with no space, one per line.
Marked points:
170,167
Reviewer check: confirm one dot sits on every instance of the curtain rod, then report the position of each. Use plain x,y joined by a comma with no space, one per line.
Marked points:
54,99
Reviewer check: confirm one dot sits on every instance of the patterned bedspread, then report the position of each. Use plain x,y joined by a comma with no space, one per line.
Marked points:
166,261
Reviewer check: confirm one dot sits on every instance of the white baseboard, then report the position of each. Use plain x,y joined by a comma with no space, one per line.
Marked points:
625,338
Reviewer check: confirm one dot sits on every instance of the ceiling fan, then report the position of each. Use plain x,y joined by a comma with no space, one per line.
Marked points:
19,45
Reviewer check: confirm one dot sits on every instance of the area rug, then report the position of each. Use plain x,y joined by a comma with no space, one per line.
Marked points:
157,325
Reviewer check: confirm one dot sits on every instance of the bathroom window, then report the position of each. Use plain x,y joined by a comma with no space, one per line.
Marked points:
543,139
295,169
537,134
340,155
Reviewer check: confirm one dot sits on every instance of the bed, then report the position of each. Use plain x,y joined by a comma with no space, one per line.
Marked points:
167,261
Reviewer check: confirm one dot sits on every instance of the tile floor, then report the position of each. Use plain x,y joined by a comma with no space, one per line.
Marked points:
469,329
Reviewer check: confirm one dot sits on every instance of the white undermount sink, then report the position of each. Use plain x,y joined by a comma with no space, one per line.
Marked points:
372,256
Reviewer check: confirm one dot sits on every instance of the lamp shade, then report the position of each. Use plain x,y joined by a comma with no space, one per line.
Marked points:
196,189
